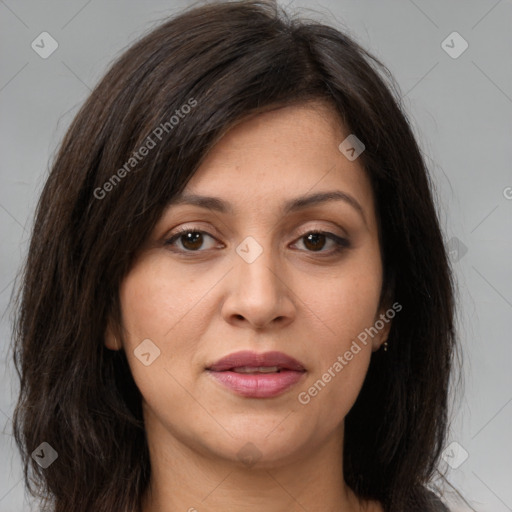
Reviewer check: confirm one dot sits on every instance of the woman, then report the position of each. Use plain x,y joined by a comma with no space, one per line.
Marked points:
237,295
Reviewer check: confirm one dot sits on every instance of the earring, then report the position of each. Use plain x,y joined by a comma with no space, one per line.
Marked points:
385,346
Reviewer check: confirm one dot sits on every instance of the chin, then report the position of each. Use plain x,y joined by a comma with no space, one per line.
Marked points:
264,441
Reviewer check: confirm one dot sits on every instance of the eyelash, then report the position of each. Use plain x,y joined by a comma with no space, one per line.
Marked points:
340,243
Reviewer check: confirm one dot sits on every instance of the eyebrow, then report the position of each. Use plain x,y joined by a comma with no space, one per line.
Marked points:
290,206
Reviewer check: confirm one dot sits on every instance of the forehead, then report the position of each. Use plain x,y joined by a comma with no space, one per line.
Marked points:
275,156
305,132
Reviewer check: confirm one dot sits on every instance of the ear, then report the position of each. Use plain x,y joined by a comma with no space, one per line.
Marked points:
383,325
387,311
112,342
383,320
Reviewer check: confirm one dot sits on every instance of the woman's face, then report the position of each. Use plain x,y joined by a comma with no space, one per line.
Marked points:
247,277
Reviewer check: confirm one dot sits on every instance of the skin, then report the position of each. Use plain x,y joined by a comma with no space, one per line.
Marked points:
298,297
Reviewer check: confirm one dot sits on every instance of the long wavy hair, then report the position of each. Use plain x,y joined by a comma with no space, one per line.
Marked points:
234,59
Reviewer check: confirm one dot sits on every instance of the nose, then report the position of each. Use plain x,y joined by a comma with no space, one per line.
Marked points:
259,294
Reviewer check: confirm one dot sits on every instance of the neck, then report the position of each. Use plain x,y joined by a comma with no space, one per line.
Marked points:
190,479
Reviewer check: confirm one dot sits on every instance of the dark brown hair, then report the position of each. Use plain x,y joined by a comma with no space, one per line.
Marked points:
233,60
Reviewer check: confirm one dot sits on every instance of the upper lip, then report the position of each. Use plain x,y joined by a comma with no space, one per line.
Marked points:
254,359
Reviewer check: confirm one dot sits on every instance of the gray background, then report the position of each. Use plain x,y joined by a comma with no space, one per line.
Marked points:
461,111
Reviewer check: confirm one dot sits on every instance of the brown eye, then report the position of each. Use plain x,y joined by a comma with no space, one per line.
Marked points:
191,240
315,241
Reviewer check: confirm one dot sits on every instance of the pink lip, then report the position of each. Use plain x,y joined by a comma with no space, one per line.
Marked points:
257,385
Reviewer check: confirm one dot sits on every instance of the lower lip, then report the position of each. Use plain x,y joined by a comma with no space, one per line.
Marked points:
258,385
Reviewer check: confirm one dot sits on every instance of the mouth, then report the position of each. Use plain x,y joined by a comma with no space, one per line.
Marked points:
254,375
257,369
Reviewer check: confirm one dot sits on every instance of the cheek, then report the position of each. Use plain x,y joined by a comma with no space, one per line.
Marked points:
148,303
349,304
346,309
163,306
157,301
